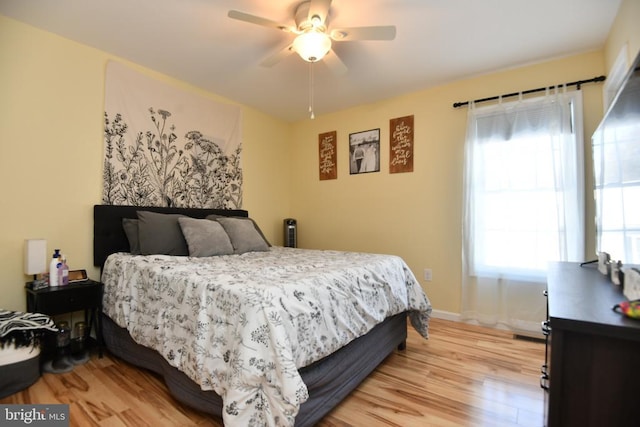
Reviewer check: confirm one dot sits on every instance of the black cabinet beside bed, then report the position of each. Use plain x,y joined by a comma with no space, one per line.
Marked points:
80,296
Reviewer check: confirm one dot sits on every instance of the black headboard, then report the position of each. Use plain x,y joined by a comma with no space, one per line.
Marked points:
108,234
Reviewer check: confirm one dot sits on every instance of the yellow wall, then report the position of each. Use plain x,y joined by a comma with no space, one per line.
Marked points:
415,215
51,135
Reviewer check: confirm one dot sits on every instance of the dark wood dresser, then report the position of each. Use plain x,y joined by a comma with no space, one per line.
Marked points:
594,369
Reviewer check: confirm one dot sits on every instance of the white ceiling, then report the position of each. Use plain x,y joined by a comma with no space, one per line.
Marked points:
437,41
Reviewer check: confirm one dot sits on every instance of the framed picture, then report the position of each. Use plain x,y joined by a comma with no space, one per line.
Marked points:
364,151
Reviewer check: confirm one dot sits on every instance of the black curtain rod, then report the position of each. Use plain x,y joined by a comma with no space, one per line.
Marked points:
540,89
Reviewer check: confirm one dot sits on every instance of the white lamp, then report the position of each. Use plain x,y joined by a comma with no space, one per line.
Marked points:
312,45
35,257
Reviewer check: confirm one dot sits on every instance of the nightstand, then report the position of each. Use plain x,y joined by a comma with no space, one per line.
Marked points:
85,295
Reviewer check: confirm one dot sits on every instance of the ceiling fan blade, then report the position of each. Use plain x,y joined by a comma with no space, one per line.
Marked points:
278,56
319,8
252,19
387,32
334,63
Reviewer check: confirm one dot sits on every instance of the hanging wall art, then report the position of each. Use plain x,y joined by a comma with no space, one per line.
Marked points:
328,155
164,146
401,144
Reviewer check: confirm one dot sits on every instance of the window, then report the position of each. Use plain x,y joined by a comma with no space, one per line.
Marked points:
616,162
524,190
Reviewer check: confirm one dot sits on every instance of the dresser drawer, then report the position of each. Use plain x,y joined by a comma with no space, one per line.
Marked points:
68,299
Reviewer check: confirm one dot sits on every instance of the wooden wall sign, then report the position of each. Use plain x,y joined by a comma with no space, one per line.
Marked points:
401,144
328,155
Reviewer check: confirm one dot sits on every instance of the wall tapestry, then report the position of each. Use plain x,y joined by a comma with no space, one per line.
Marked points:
328,155
168,147
401,144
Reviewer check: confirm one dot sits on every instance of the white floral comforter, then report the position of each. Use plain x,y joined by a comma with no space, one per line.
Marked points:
242,325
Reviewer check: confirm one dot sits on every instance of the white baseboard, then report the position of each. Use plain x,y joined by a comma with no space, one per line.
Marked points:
446,315
455,317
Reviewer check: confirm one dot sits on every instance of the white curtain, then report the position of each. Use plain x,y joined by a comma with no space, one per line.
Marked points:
523,205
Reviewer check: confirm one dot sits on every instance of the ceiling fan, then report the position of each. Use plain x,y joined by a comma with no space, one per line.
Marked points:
313,36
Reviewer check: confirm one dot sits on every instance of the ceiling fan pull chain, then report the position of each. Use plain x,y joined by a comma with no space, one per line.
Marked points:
311,90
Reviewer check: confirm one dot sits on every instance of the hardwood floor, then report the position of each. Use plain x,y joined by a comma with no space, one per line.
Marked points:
462,376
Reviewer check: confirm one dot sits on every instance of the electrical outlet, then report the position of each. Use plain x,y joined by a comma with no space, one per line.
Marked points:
427,274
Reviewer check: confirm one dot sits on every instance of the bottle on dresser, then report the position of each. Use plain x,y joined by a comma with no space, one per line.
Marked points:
63,271
53,268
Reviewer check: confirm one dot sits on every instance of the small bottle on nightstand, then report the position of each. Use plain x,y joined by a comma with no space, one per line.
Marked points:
53,268
64,272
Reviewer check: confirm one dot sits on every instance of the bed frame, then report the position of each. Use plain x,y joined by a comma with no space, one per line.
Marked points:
328,380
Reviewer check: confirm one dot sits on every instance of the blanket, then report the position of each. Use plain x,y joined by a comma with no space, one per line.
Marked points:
23,329
242,325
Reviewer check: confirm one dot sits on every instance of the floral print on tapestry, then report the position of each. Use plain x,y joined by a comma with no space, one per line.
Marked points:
167,147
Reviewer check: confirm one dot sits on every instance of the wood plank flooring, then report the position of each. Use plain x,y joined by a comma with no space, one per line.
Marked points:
462,376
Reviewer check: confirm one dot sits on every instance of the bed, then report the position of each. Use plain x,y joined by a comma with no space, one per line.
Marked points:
262,327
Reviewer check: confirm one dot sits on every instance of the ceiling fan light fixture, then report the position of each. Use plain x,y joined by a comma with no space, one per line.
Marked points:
312,45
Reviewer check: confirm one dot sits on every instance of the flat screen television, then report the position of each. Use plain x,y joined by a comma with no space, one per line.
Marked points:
616,162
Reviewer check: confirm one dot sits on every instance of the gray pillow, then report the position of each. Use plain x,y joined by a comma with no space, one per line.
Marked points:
205,237
214,217
130,226
243,234
160,234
